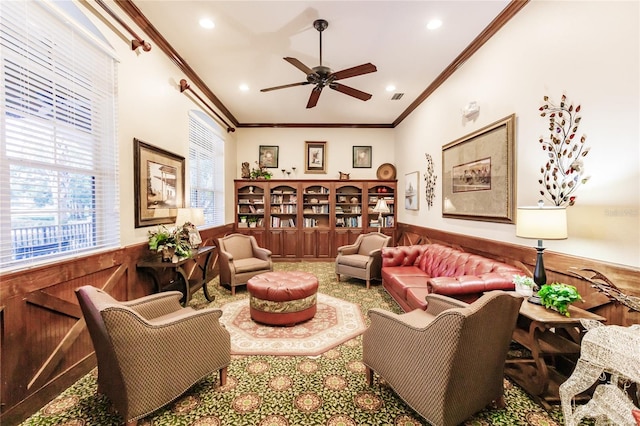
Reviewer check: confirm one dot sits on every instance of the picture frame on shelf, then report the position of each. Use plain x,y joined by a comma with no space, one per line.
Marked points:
411,190
269,156
478,175
315,157
361,157
158,184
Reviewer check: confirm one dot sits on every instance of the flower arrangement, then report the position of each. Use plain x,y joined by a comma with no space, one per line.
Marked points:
558,296
260,172
170,241
563,173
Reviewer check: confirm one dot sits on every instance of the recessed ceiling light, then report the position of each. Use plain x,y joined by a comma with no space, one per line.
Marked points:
207,23
244,87
434,24
390,88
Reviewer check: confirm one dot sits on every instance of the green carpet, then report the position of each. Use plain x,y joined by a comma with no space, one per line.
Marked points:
329,389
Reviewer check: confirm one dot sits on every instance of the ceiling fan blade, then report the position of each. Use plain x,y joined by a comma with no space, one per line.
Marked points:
354,71
315,95
284,86
302,67
350,91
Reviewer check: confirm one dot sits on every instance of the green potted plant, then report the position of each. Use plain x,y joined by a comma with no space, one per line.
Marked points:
558,297
260,172
170,242
253,222
524,285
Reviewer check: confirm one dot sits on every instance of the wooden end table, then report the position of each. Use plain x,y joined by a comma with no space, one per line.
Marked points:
185,281
549,336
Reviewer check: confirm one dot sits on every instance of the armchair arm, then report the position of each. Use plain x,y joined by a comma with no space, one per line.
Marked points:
348,249
437,303
226,254
416,320
262,253
155,305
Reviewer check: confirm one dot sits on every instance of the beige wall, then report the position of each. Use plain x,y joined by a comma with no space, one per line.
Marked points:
590,52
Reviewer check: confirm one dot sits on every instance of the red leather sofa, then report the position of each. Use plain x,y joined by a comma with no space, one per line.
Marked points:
409,273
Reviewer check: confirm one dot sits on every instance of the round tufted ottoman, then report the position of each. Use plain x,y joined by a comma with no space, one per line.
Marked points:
282,298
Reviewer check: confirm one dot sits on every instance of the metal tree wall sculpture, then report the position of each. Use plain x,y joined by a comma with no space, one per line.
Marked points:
563,173
430,181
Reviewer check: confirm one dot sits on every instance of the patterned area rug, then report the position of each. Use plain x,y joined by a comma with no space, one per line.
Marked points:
335,322
328,390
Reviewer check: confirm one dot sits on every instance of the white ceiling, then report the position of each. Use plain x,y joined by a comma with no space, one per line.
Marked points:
251,38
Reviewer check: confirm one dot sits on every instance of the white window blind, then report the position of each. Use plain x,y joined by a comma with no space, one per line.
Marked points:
58,149
206,168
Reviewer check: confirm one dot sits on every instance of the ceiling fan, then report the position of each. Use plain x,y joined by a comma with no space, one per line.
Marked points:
323,76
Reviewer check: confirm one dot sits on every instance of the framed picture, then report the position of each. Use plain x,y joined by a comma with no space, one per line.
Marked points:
315,157
361,157
268,155
158,184
479,175
411,182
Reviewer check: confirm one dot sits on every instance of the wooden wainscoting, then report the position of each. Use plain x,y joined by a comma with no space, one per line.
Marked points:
45,347
557,267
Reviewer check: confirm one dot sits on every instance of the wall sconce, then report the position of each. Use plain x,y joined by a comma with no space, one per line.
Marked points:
471,110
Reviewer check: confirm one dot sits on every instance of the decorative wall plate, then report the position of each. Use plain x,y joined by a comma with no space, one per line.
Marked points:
386,171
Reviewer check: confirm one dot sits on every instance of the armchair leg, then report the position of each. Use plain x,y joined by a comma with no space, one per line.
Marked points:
369,376
500,402
338,277
132,422
233,290
368,284
223,376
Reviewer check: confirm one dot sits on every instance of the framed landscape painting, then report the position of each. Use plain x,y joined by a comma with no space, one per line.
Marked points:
478,174
158,184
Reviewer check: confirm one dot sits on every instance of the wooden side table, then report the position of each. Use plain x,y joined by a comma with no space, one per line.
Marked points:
549,336
186,282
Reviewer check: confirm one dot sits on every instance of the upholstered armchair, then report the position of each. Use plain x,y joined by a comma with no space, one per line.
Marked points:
362,259
241,259
151,350
447,362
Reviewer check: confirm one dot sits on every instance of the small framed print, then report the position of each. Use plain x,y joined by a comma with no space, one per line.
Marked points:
315,157
361,157
268,155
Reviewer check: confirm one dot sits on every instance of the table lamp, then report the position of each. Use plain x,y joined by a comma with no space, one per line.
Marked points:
541,223
381,207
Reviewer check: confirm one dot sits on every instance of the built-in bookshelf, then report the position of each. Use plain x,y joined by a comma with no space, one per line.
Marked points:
311,218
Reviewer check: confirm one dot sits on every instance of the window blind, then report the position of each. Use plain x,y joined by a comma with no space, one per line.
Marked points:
59,190
206,168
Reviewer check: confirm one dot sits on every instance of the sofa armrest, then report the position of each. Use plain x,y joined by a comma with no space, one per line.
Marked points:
469,284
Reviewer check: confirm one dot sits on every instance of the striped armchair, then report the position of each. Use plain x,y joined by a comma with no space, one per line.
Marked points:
447,362
151,350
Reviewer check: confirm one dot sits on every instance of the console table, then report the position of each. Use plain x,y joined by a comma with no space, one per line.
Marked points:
549,336
187,283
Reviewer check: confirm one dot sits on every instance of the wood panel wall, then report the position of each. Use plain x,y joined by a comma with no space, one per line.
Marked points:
44,345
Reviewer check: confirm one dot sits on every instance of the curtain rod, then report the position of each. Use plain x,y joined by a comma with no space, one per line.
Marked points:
185,86
137,41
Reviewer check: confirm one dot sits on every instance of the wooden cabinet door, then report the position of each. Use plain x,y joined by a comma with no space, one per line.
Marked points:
275,243
290,243
323,245
309,243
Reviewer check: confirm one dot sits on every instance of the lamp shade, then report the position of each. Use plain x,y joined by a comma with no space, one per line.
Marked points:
381,206
542,223
194,216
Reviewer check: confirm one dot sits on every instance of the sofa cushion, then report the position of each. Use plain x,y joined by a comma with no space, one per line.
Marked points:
400,283
391,272
250,264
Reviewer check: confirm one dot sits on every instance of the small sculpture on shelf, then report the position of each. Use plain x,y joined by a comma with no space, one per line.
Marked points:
246,171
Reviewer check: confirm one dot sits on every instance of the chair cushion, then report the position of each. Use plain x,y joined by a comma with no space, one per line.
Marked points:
355,260
250,264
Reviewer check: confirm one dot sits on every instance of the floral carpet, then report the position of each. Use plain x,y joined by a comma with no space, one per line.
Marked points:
329,389
335,322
